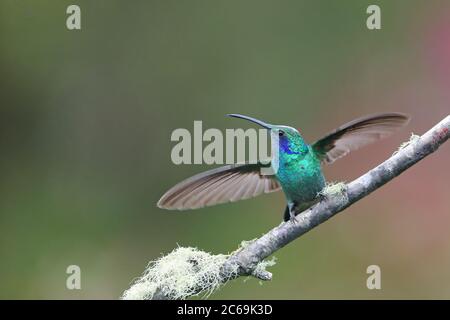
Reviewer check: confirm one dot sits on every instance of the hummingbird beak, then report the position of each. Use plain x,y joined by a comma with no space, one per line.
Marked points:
261,123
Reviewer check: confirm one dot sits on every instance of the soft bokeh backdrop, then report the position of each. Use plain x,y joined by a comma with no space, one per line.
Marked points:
86,118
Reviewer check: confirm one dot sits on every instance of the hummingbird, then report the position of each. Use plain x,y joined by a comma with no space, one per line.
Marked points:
299,166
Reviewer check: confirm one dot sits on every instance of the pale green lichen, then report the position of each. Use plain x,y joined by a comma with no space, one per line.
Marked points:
185,272
412,139
263,265
178,275
335,189
332,189
245,243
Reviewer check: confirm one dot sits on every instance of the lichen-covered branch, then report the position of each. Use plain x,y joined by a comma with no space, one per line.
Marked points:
248,259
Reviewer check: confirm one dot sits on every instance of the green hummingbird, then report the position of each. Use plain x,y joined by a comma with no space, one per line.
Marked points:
298,172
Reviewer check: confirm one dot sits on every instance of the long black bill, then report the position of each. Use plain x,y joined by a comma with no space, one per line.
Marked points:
261,123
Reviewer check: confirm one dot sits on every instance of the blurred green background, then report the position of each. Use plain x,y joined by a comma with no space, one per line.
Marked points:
86,118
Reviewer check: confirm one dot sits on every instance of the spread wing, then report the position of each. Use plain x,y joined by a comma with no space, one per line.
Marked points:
225,184
356,134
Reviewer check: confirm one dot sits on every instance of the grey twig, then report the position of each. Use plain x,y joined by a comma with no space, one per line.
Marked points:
246,260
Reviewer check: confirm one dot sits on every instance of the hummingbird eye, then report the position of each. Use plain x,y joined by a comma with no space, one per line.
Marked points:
280,133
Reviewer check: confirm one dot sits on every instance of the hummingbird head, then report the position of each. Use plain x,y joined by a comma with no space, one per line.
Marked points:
287,139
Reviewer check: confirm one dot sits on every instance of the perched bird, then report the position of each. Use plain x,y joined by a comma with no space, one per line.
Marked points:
299,172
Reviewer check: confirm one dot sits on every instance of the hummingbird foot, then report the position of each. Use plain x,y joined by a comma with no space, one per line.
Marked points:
292,215
291,212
